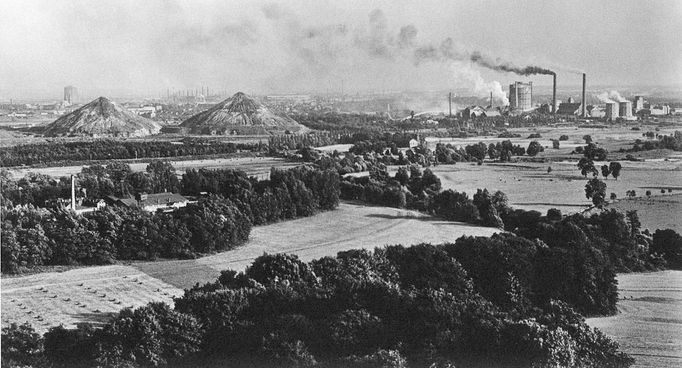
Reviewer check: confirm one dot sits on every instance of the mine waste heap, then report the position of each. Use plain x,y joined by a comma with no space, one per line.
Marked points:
102,118
240,114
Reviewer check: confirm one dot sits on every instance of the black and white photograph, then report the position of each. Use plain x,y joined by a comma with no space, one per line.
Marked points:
341,183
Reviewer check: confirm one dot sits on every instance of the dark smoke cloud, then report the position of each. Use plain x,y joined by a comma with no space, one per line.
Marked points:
447,51
505,66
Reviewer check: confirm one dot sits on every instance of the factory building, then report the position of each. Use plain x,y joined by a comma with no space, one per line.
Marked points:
71,94
569,110
596,111
611,110
659,110
521,96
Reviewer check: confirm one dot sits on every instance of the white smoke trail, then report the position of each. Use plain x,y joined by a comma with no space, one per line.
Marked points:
466,76
610,97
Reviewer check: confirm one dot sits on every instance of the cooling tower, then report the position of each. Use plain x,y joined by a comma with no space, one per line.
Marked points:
520,96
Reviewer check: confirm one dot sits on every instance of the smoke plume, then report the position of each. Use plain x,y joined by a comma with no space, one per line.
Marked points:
466,76
448,50
505,66
610,97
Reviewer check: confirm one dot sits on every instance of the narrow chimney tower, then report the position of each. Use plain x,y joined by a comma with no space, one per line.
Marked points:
553,109
73,192
584,101
491,99
450,104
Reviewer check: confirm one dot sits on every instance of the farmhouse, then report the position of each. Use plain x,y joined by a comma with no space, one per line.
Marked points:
165,202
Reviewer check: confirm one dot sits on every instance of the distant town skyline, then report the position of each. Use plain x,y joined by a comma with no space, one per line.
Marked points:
138,48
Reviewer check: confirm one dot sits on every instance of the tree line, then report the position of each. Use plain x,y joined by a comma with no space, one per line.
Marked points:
107,149
412,188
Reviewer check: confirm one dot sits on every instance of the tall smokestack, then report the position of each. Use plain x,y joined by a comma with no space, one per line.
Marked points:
584,102
491,99
73,192
553,94
450,103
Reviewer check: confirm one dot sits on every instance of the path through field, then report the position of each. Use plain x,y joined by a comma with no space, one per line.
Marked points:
93,293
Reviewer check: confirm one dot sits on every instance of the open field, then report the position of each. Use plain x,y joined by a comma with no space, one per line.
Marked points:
256,166
80,295
657,212
529,186
649,323
91,293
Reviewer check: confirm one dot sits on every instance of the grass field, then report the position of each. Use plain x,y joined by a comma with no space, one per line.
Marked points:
93,293
649,323
657,212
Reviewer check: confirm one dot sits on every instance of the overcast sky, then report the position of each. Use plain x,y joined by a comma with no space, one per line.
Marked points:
299,46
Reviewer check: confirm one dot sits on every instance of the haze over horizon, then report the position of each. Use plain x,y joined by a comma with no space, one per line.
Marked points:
132,47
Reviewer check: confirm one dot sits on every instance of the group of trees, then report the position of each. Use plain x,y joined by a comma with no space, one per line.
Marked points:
94,182
342,122
672,142
34,236
409,188
383,139
484,208
595,189
445,153
106,149
297,141
482,301
615,236
413,189
296,192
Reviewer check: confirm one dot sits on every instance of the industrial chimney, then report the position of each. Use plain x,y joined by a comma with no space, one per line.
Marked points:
584,102
491,99
73,192
553,93
450,103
